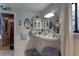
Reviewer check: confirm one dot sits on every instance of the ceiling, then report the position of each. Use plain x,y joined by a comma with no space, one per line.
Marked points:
35,7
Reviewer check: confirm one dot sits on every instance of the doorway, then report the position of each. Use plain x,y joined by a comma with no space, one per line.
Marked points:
8,31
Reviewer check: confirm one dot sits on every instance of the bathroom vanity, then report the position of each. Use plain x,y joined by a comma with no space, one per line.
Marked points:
44,35
42,41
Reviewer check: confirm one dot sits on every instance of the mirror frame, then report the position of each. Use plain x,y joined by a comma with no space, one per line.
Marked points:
27,23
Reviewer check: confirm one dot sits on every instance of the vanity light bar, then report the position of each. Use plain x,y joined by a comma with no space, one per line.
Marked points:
49,15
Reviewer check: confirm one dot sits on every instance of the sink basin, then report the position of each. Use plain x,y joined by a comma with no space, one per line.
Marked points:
48,36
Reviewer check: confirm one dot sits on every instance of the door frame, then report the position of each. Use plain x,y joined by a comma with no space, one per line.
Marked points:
9,12
66,30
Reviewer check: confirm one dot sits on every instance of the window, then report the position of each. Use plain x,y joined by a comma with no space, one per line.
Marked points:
75,17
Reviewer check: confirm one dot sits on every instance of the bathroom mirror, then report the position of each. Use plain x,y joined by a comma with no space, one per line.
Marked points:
27,23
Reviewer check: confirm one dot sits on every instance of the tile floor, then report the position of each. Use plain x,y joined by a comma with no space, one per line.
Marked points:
7,53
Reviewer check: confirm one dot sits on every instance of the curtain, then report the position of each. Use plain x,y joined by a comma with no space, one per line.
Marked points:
1,26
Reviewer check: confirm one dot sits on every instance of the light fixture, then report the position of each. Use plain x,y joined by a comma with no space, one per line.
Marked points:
49,15
4,7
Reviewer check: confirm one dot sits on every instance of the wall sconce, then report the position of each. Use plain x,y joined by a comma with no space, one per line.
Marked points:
19,22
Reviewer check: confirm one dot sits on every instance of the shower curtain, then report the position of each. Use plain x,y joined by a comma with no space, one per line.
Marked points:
1,29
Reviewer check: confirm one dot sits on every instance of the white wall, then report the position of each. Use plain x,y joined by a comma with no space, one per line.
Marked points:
22,15
19,44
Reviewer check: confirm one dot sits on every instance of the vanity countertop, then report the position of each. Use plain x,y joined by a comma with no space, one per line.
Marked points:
47,37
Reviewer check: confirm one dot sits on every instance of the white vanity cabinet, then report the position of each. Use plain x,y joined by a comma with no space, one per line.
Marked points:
40,43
